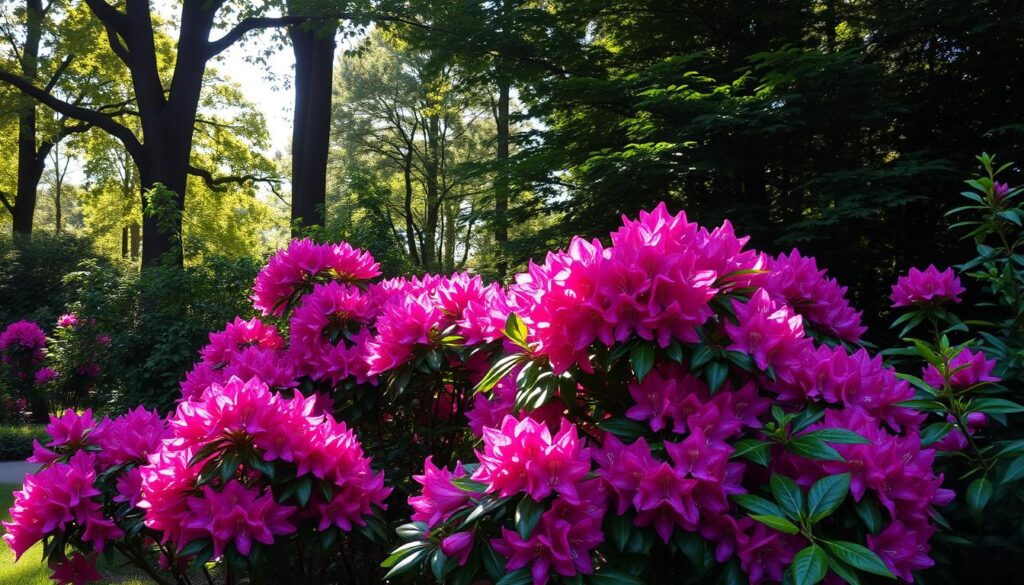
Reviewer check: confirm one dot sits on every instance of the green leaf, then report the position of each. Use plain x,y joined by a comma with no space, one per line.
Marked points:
809,566
303,488
623,428
516,331
674,351
859,557
923,405
403,551
528,514
757,451
870,515
614,577
978,495
934,432
500,369
826,495
642,359
843,570
1014,471
813,448
777,522
469,485
715,373
409,562
412,531
788,495
517,577
838,436
758,505
995,406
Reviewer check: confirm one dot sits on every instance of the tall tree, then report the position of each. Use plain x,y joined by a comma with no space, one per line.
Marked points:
408,119
313,44
49,44
166,112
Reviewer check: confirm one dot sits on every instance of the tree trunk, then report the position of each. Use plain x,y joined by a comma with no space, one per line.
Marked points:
501,181
433,204
311,129
451,216
410,227
135,239
30,165
124,242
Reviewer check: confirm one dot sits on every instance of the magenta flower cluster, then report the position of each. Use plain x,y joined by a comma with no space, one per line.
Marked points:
22,347
927,287
669,283
245,415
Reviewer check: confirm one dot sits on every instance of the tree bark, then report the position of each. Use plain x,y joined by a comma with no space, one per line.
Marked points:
30,165
314,76
501,180
433,202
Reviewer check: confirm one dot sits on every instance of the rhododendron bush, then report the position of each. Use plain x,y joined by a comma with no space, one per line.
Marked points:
672,403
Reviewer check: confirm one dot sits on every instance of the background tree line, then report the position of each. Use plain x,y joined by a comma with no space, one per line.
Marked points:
473,135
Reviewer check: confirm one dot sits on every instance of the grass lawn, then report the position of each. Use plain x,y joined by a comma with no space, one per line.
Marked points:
29,570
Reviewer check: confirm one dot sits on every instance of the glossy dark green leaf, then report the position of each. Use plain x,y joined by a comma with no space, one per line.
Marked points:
826,495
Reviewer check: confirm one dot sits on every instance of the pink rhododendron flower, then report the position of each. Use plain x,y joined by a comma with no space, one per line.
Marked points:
44,376
769,332
764,553
77,569
999,190
410,321
796,280
489,411
903,550
439,498
969,368
238,515
523,456
54,498
129,438
458,546
977,420
21,345
329,333
303,263
247,415
68,320
238,335
929,286
556,544
70,429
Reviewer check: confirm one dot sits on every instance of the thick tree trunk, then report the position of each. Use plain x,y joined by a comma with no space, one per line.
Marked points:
314,75
168,123
501,181
30,164
30,170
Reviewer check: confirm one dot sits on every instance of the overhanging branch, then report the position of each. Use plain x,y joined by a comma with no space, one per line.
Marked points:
6,202
100,120
263,22
219,183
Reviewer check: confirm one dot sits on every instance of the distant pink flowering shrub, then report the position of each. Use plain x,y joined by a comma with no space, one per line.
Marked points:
22,347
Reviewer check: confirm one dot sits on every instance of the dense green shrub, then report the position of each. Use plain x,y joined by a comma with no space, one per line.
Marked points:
31,274
156,322
16,440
